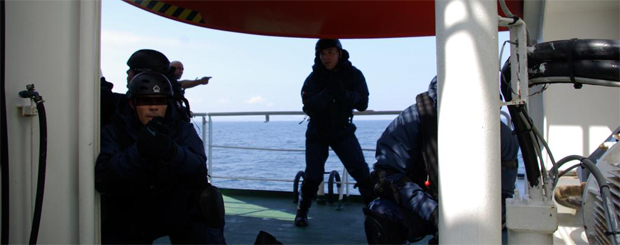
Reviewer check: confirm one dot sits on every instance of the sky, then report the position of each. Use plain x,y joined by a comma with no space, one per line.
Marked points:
260,73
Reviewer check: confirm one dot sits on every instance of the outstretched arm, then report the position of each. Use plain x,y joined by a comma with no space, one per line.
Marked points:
194,83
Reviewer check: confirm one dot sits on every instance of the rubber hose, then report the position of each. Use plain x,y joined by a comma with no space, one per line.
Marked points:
583,49
523,136
595,69
38,206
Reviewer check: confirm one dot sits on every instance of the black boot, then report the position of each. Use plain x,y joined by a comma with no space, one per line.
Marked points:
308,191
301,218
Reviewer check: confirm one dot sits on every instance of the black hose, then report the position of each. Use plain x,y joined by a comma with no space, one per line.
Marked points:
38,205
521,129
528,151
594,69
579,49
4,142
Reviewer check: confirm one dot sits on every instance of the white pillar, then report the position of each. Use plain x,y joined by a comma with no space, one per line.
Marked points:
468,114
88,119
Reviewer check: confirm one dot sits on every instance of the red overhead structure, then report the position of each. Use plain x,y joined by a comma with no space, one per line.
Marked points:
316,19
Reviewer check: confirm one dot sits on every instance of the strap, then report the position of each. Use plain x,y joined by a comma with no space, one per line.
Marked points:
571,67
428,131
187,111
512,164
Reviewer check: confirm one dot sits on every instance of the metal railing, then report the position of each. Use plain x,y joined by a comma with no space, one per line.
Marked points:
207,118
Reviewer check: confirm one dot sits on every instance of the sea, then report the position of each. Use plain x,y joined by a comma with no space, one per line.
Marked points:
277,167
286,155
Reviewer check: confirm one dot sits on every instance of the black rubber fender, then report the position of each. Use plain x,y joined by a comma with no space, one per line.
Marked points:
582,49
333,176
296,185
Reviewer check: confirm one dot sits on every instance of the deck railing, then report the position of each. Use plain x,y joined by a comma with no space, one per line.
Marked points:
207,118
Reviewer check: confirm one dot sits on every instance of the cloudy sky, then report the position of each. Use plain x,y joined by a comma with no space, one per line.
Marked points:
259,73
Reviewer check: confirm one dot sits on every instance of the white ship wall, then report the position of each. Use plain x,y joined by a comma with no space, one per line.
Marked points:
576,121
55,46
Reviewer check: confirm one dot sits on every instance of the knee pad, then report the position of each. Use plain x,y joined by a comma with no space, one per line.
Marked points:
212,207
384,227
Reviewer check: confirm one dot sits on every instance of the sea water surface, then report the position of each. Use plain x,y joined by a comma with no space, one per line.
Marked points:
278,165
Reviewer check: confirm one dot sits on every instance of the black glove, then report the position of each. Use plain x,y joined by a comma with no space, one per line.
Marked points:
334,84
154,141
335,88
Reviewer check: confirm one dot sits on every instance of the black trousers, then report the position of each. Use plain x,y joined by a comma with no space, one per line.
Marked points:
144,221
347,148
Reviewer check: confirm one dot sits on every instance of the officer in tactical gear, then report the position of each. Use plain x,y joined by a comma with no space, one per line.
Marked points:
406,175
151,172
141,61
329,94
147,60
153,60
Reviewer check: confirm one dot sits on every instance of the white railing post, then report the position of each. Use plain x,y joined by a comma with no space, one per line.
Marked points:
204,137
210,154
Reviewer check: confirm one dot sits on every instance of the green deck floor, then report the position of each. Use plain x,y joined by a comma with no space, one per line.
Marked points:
248,212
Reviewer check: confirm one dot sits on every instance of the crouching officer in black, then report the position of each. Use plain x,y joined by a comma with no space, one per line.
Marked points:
406,175
329,94
151,172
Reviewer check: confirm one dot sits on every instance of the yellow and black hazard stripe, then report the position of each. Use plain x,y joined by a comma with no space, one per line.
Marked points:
170,10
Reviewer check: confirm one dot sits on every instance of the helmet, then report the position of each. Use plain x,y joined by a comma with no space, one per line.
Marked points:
149,83
327,43
149,60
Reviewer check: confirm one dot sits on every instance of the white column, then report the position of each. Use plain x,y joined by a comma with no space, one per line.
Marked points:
88,119
468,114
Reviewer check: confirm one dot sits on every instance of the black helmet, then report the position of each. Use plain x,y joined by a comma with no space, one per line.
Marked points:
327,43
149,83
149,60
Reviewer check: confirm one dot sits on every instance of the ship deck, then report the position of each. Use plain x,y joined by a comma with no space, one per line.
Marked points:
250,211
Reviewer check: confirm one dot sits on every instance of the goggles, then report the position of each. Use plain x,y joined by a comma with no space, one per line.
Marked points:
142,101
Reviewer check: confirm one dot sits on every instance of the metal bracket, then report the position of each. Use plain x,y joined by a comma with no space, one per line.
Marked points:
29,110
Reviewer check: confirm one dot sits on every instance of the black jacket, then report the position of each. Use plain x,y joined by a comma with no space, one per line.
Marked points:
108,102
136,190
331,108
